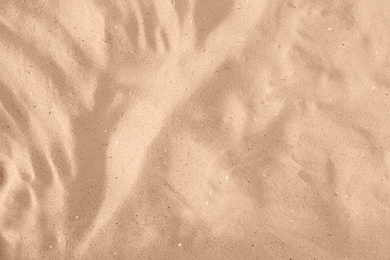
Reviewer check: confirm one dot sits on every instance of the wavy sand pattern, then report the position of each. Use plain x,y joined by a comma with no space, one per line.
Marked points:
194,129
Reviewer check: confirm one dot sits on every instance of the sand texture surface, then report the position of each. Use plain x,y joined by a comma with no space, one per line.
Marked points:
195,129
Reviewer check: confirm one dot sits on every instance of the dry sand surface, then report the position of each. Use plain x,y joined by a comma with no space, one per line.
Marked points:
194,129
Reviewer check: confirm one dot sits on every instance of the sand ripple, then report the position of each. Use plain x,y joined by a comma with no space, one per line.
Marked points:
186,129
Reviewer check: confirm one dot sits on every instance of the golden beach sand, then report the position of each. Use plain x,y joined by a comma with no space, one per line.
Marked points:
195,129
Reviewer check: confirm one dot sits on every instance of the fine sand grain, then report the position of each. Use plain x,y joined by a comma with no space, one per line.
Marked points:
194,129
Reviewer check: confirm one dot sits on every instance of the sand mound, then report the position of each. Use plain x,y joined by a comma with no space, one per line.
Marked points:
194,129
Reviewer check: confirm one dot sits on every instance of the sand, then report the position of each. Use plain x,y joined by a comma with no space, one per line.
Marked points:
194,129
